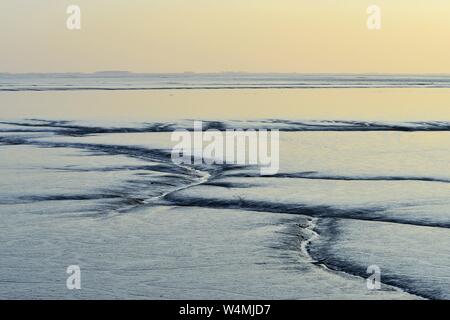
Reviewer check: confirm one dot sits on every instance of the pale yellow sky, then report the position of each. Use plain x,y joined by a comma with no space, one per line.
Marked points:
307,36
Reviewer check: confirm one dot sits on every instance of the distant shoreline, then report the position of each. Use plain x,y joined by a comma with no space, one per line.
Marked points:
123,80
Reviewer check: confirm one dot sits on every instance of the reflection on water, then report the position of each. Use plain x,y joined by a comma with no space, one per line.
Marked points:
108,197
407,104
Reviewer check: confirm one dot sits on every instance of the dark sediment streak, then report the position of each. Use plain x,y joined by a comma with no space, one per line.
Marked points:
318,211
315,176
328,231
71,128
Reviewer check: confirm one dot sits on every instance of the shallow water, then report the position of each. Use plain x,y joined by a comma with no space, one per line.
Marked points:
91,183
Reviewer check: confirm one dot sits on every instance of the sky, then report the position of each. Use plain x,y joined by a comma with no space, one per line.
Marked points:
304,36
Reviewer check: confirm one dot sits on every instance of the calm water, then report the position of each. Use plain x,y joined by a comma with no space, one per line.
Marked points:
87,180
